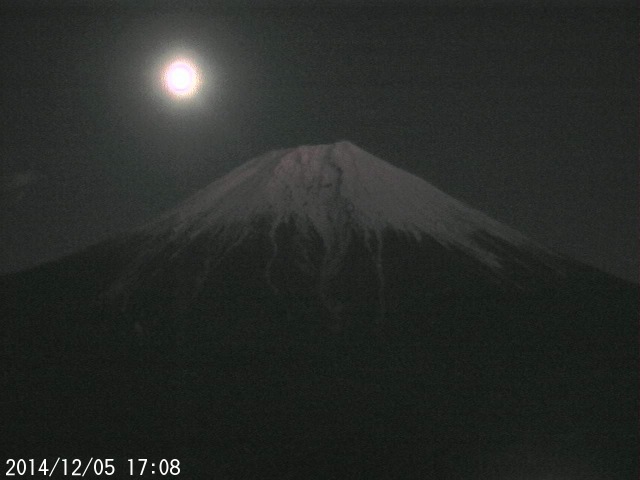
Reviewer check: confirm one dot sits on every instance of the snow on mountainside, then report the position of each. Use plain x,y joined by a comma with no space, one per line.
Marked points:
331,192
329,188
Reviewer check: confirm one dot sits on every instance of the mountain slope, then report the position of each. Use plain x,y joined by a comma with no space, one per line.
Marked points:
308,209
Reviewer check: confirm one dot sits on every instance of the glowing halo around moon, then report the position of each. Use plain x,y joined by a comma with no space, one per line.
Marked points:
181,78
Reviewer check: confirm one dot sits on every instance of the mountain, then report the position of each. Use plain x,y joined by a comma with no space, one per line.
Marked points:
310,206
318,312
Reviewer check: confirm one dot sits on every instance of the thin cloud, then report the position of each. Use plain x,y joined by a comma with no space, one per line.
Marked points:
15,186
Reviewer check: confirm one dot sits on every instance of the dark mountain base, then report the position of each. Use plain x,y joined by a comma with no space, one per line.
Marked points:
467,379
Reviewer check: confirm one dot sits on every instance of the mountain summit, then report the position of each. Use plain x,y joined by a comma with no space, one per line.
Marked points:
327,190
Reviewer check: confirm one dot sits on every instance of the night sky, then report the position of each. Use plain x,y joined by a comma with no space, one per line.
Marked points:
528,114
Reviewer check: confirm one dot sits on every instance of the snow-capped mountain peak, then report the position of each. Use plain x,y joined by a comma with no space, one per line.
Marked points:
316,213
328,189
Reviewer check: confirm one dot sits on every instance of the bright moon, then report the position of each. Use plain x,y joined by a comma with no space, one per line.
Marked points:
181,78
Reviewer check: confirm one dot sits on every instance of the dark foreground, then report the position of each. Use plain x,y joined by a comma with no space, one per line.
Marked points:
475,385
